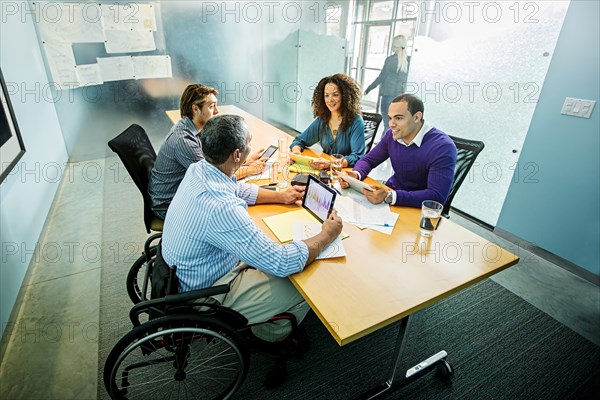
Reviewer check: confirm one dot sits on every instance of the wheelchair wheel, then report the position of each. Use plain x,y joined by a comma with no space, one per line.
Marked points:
177,356
139,277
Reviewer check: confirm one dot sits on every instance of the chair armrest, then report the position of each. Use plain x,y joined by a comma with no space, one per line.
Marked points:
173,299
148,243
161,207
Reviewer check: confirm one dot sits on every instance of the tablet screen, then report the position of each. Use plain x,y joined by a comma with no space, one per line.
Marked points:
269,152
318,198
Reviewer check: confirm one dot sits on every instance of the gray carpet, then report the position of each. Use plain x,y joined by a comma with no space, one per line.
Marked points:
500,346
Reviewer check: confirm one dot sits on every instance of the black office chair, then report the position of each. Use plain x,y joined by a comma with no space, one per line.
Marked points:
372,121
137,154
467,152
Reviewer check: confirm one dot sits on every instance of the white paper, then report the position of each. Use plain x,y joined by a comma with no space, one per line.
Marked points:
115,68
386,227
266,174
145,67
128,17
303,230
76,23
354,208
62,64
128,41
88,74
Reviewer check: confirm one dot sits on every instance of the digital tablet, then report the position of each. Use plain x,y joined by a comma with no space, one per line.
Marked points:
268,152
318,199
355,183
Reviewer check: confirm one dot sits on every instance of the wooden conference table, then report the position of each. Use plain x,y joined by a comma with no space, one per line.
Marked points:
383,278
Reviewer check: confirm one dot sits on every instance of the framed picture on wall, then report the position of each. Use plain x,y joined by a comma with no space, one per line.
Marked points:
11,143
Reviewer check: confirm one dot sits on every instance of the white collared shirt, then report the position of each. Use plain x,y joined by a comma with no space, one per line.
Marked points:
419,138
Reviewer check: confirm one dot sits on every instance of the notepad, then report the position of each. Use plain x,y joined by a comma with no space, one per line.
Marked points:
303,169
302,160
282,224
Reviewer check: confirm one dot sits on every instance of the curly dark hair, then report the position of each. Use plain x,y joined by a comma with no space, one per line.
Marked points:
350,107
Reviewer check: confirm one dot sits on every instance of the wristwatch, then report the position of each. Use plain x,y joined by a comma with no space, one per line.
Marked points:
389,197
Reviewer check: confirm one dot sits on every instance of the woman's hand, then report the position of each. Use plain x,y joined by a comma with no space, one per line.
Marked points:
296,150
320,163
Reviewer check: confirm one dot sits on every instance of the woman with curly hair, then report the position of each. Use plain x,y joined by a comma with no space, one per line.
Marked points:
338,126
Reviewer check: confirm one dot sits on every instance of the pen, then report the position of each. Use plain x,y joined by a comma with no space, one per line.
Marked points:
337,191
367,223
268,185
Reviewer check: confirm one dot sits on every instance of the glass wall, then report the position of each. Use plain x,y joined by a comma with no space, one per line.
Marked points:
478,66
229,45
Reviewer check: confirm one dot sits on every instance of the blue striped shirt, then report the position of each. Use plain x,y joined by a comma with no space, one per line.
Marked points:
181,148
208,231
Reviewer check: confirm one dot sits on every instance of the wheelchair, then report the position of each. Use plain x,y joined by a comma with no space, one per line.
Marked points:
138,279
181,345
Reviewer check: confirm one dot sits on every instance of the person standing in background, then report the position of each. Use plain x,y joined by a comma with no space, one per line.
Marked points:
392,77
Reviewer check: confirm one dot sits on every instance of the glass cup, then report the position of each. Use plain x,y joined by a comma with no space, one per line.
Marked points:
431,211
335,166
282,143
284,175
274,172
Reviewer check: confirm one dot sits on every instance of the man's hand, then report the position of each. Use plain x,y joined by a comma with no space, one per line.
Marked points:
377,195
291,195
320,163
343,183
296,150
257,166
330,230
332,226
254,156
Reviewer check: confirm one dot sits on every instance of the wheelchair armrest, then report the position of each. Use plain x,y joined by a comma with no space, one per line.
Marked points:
173,299
149,242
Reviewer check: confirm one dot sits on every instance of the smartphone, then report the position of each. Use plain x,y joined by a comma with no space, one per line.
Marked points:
269,152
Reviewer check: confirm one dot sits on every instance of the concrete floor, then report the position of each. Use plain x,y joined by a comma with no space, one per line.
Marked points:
51,347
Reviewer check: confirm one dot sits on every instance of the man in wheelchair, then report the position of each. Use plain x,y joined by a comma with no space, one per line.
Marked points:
211,239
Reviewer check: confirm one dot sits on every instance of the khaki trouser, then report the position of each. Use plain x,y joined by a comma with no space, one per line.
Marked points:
259,296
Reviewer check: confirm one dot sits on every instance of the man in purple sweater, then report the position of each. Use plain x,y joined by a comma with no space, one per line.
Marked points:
423,158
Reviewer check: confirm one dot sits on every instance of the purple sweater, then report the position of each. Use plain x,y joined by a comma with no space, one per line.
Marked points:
420,173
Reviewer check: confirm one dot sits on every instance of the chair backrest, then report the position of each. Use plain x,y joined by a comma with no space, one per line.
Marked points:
467,151
137,154
372,121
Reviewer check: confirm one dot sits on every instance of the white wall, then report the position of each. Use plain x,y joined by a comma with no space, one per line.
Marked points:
27,193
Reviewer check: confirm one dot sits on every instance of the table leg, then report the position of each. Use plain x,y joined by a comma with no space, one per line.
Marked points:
392,382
